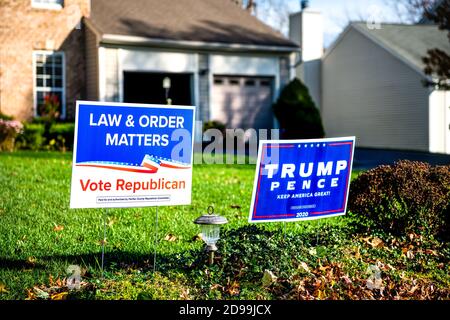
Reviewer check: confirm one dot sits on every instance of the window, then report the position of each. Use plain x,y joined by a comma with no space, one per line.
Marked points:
47,4
49,80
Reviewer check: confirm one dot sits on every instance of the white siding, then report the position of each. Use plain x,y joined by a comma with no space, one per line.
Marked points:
244,65
439,121
369,93
108,74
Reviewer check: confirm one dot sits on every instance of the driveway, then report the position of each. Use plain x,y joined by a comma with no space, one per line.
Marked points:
366,158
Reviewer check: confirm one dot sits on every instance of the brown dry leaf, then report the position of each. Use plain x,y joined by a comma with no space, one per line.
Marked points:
374,242
432,252
170,237
324,268
102,242
357,253
346,279
59,296
215,287
31,261
410,254
233,288
3,288
30,295
58,228
235,206
197,237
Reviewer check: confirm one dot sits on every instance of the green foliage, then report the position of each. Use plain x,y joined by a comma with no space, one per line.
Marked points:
298,116
406,197
61,136
40,135
5,117
32,137
324,259
214,125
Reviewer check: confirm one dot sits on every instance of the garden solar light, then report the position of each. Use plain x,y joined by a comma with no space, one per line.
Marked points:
210,226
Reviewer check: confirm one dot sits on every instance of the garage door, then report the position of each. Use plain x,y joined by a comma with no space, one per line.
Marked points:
242,102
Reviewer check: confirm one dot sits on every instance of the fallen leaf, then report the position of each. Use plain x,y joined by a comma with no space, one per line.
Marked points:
235,206
346,279
432,252
30,295
3,288
59,296
215,287
31,261
410,254
197,237
41,294
170,237
304,266
58,228
233,288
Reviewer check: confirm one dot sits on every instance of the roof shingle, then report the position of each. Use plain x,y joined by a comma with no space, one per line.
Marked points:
409,41
217,21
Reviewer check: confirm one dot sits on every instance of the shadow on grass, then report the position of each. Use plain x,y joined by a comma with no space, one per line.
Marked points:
251,245
38,155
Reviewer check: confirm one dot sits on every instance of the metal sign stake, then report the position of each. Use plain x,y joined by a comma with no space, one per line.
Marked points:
156,240
105,213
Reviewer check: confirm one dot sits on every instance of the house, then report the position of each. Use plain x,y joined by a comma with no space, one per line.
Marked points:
369,83
218,57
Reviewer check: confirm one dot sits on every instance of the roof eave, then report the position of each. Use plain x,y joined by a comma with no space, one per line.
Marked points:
115,39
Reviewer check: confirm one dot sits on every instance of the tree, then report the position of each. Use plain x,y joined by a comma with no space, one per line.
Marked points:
297,114
437,61
411,11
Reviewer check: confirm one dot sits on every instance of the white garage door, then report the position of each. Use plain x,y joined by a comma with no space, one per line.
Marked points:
242,102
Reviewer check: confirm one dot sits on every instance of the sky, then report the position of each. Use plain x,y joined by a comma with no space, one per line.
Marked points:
337,13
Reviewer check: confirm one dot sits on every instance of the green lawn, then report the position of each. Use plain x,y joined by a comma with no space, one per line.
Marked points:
40,237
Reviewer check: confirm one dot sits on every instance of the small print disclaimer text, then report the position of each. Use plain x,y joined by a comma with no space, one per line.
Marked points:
123,199
251,310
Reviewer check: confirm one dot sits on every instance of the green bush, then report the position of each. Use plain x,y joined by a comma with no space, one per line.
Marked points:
214,125
406,197
297,114
32,137
60,136
41,136
5,117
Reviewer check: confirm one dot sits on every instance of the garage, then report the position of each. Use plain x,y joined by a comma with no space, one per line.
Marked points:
147,87
242,102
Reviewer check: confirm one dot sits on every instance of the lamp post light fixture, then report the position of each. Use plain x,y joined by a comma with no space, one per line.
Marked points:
167,84
210,226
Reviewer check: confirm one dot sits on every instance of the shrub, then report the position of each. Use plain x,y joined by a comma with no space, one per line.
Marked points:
9,130
5,117
32,137
214,125
298,116
406,197
60,136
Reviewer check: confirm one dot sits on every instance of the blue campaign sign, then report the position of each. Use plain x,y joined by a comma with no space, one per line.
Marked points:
302,179
131,155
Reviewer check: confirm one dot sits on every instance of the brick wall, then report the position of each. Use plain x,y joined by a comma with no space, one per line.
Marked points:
24,29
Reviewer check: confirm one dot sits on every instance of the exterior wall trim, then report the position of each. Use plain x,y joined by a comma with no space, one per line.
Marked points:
143,41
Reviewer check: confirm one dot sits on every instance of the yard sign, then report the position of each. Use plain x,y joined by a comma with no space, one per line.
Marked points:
132,155
301,179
